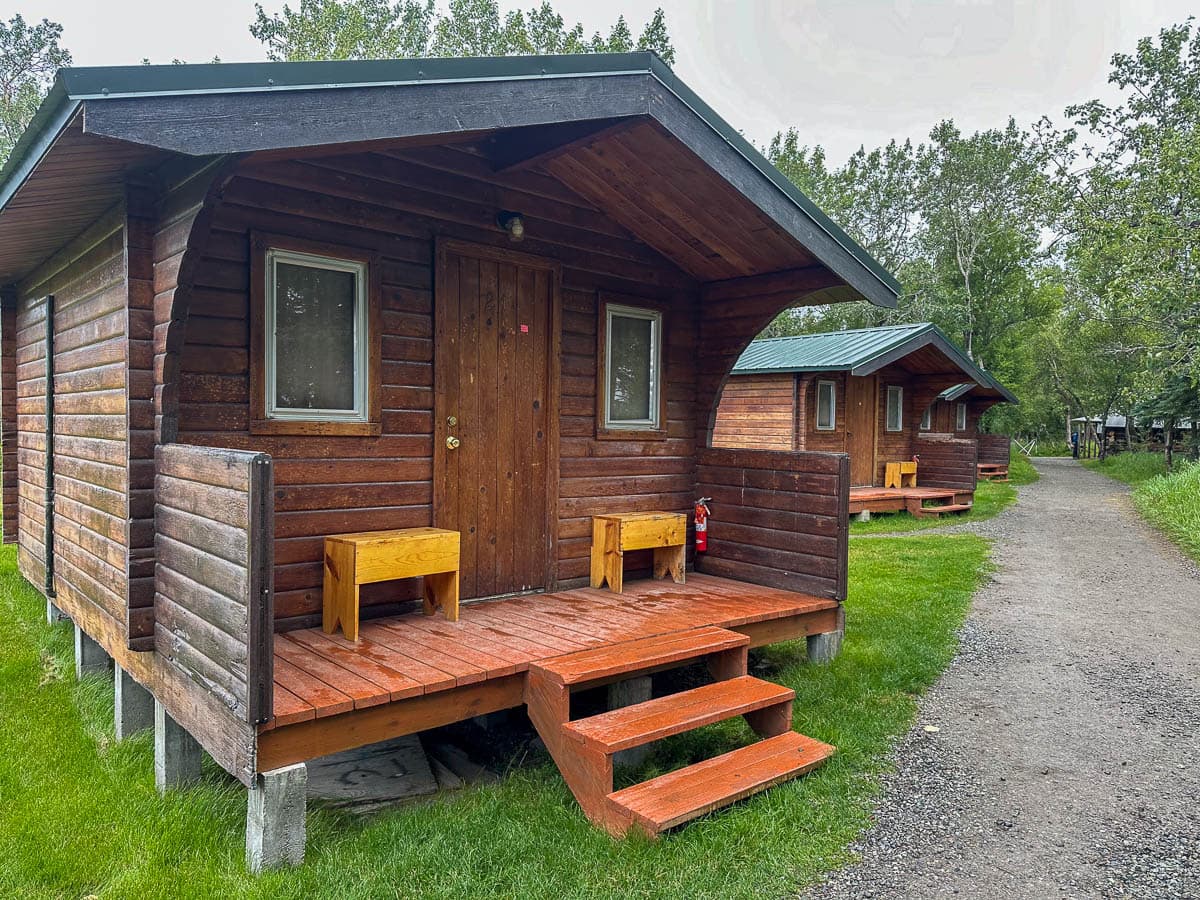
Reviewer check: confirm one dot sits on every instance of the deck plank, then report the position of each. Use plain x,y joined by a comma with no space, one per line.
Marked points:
400,657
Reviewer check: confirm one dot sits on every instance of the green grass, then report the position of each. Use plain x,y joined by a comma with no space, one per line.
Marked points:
1171,503
79,814
1050,448
1131,468
1021,469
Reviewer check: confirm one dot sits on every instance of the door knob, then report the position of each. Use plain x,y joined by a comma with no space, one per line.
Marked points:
452,442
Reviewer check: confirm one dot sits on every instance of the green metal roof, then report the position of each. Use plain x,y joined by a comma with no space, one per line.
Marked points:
860,351
827,351
74,86
953,393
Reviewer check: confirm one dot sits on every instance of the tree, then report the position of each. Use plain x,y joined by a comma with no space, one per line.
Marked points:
377,29
29,57
981,195
1133,177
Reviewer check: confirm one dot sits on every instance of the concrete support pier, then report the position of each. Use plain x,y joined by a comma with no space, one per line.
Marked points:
177,756
275,827
627,693
824,648
53,613
90,657
133,705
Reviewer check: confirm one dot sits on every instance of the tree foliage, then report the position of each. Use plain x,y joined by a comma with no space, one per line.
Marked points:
29,57
377,29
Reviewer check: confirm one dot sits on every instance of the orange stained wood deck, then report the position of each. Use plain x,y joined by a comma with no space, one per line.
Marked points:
413,672
880,499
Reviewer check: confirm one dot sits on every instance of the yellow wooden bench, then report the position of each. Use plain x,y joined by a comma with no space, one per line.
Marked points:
900,474
612,535
352,560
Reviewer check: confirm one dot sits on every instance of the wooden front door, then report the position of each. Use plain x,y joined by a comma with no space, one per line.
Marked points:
861,416
495,415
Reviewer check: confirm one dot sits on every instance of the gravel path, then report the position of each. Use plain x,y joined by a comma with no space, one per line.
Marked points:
1066,756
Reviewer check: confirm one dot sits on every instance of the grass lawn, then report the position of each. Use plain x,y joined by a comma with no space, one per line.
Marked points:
1169,502
990,499
1131,468
79,814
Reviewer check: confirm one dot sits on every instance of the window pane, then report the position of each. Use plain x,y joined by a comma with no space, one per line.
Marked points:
314,337
927,418
630,361
893,409
824,405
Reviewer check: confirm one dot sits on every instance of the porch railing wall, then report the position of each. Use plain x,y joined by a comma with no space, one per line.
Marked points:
779,518
946,463
213,576
994,449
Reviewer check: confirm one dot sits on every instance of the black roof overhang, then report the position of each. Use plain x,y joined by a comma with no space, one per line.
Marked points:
237,108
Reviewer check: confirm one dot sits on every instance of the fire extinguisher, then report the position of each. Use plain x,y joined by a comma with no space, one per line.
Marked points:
702,524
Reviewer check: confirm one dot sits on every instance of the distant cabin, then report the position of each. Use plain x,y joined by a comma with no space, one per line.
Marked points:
876,394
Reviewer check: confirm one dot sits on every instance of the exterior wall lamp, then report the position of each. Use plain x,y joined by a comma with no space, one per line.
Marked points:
513,223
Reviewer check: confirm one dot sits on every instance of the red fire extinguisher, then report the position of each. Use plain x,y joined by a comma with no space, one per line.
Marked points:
702,524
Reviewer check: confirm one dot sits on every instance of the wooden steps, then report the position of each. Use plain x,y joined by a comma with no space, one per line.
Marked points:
643,723
674,798
584,749
644,655
997,472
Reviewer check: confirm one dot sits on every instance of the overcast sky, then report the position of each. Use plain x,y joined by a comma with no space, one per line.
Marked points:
844,72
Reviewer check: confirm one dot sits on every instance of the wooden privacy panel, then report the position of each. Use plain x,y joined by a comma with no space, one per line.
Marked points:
778,518
994,448
214,572
946,463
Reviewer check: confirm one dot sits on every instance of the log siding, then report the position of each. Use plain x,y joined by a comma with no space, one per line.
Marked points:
212,576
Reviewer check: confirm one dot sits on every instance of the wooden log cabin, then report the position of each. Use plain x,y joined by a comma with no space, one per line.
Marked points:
250,307
883,396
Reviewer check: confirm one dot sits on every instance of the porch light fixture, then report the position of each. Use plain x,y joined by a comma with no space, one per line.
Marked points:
513,223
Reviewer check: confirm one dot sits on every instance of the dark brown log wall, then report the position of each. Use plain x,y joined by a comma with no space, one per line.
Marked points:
994,448
396,206
757,412
778,519
212,578
8,412
87,280
946,462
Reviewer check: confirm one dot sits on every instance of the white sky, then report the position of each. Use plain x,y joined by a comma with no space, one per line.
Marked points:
844,73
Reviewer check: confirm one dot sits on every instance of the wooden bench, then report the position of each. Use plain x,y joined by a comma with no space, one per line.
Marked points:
612,535
352,560
900,475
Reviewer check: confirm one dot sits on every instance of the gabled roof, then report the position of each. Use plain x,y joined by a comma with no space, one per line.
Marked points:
862,351
99,125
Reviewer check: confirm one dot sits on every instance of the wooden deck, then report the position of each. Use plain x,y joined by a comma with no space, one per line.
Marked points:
413,672
912,499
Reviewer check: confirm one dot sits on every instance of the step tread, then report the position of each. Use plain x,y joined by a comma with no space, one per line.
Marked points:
949,507
653,720
639,655
676,797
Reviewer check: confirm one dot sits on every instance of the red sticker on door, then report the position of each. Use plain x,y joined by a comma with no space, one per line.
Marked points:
524,329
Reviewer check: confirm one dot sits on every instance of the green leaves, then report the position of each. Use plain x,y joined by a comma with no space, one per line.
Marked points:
376,29
29,57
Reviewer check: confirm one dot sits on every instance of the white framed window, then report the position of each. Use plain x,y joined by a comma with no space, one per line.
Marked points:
927,418
826,405
316,361
895,408
960,422
633,368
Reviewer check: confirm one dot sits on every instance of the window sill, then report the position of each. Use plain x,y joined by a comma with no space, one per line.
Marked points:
300,426
630,434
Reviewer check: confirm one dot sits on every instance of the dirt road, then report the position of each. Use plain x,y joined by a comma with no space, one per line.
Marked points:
1059,755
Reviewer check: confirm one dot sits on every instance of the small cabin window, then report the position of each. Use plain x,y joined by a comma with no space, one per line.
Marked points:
895,408
315,331
826,405
960,423
633,368
927,418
